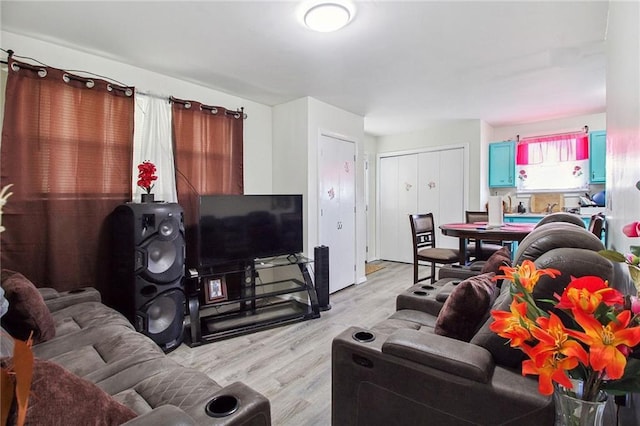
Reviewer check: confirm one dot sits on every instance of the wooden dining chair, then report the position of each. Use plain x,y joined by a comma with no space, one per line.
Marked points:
487,248
596,225
423,233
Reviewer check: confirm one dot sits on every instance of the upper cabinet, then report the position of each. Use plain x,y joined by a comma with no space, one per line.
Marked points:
597,156
502,164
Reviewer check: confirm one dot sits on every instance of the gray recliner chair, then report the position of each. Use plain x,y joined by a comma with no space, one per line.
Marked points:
401,372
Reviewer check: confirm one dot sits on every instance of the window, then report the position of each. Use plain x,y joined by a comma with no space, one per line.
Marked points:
553,163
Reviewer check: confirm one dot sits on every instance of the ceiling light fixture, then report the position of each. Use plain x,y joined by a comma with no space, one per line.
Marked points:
327,17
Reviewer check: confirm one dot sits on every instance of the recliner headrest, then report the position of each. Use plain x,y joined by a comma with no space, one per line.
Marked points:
555,235
562,217
571,262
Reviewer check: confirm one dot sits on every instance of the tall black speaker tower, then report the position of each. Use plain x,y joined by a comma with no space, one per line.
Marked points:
321,276
148,256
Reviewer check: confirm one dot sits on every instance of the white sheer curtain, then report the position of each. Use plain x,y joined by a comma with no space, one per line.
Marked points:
152,142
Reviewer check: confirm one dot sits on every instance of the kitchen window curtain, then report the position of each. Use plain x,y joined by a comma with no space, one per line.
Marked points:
67,149
553,163
209,158
152,142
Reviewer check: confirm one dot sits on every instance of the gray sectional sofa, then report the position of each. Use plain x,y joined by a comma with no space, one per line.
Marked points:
436,362
93,350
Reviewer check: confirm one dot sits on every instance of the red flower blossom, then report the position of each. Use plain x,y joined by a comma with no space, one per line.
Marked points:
146,176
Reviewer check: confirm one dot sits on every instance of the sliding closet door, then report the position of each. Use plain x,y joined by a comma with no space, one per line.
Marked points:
441,189
431,181
398,199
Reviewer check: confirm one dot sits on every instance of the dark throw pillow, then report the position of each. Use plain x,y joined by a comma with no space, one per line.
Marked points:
499,258
58,396
27,310
467,307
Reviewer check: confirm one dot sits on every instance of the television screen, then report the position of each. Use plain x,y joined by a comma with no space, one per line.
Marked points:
246,227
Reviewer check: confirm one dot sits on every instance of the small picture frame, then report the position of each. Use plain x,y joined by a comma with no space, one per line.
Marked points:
215,289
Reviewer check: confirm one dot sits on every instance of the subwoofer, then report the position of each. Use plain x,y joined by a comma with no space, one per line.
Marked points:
321,276
148,258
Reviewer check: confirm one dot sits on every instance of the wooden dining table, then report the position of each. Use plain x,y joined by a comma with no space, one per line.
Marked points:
480,231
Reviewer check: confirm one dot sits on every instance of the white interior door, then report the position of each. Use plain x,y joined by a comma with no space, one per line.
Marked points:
337,209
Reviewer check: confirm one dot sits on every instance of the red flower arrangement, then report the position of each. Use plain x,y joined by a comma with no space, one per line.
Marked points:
588,335
146,175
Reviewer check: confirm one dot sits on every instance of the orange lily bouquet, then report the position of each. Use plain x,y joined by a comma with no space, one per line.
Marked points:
588,334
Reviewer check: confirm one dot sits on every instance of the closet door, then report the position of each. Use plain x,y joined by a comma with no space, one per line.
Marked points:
407,204
429,184
441,189
388,208
452,175
398,199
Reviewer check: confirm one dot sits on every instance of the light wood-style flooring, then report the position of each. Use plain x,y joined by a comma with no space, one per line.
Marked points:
291,364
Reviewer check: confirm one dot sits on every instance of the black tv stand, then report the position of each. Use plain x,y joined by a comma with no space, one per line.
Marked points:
257,294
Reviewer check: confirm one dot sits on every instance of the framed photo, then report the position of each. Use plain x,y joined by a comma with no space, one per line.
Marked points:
215,289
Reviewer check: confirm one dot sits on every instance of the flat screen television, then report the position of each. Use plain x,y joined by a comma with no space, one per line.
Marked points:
247,227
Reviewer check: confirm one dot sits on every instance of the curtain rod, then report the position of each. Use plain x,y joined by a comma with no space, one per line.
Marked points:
207,107
585,129
169,99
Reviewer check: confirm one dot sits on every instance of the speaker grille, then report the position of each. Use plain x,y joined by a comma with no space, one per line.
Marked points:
161,314
148,254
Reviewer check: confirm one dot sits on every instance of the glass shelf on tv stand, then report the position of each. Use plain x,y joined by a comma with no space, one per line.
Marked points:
259,304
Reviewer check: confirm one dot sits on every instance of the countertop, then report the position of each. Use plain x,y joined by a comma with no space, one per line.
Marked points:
538,215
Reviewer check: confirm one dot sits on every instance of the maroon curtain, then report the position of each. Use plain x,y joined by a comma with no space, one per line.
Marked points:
67,145
208,155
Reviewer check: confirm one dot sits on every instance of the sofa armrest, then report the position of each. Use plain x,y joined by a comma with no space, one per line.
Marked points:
252,409
58,300
169,415
443,353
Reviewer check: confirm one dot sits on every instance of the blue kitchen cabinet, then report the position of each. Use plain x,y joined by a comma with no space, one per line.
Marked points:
597,156
502,164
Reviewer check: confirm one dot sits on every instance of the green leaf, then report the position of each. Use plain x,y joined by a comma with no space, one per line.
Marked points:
612,255
630,381
635,250
635,273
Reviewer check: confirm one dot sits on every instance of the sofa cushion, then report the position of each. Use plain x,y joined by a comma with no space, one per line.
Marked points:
64,398
98,352
466,307
497,259
27,311
84,315
502,353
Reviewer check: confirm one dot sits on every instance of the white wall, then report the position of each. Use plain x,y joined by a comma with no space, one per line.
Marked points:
560,125
296,127
257,127
370,151
623,121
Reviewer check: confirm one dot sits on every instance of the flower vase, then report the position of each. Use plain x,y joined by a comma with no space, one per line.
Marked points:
573,411
147,198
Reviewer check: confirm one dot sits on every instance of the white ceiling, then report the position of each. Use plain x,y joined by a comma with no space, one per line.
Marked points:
400,64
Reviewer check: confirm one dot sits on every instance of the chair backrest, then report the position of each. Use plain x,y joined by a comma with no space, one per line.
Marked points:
562,217
422,231
472,216
596,224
